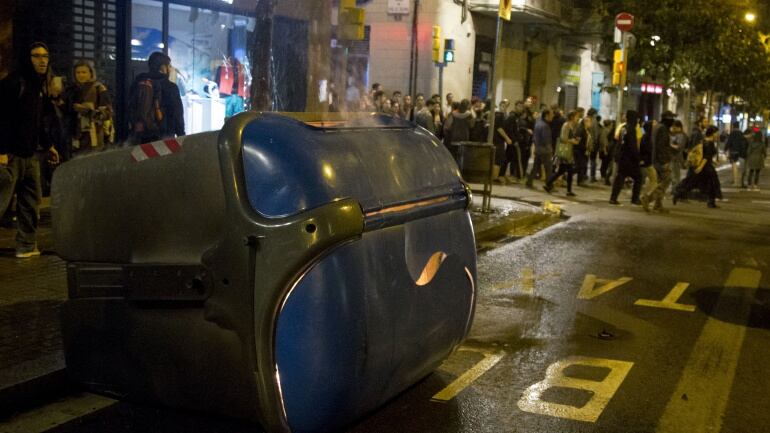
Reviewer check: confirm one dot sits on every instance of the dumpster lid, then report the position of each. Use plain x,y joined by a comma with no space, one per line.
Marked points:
296,161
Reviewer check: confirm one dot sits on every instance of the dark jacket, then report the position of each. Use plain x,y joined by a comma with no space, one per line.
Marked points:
627,155
645,146
696,137
526,124
736,145
661,146
542,137
424,118
28,119
458,127
171,106
556,124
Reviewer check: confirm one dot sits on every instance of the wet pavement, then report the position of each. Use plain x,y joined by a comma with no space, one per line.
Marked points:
611,321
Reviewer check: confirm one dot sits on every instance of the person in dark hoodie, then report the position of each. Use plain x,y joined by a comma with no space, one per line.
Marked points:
628,160
29,125
167,117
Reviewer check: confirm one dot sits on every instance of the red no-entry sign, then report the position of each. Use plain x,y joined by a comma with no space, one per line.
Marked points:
624,21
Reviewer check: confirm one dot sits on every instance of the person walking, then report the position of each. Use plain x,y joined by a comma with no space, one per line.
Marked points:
609,148
662,154
155,107
735,148
585,130
565,152
755,158
543,146
29,125
526,131
508,131
679,142
596,145
696,135
702,174
89,112
628,160
649,175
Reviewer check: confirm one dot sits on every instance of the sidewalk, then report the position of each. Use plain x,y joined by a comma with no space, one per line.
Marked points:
32,368
31,292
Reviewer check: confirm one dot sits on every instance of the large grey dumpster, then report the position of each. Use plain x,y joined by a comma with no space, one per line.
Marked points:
294,272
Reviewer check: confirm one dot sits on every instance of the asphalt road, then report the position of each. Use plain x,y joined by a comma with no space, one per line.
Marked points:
612,321
561,306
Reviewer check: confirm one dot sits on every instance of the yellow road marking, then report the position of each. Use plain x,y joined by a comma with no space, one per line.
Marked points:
462,382
589,290
528,281
701,396
601,391
669,301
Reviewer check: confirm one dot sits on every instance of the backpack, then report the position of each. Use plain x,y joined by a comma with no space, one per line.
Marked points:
146,113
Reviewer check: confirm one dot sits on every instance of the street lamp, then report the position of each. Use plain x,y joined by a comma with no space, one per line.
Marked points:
750,17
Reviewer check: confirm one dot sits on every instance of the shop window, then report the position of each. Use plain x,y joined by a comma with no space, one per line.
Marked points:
209,54
146,28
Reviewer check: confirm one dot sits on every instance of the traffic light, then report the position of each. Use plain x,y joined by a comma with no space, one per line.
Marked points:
351,21
449,50
618,68
437,44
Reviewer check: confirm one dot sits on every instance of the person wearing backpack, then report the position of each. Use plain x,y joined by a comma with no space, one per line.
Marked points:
155,107
29,126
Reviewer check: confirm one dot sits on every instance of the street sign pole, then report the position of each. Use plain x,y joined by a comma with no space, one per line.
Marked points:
622,84
624,22
493,97
486,206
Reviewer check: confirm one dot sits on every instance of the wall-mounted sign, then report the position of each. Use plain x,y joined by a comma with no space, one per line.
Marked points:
570,72
656,89
398,7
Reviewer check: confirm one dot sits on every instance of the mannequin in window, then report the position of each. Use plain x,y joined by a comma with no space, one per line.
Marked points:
231,78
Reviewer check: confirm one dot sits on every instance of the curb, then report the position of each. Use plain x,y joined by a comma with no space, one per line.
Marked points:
21,396
513,224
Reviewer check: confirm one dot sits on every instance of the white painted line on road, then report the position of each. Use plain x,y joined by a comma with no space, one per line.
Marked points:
47,417
669,302
589,291
601,391
462,382
700,399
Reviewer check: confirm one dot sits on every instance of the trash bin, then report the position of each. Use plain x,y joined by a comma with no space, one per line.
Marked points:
288,270
476,161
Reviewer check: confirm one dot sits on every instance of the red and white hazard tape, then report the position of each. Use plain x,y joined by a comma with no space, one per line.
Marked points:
156,149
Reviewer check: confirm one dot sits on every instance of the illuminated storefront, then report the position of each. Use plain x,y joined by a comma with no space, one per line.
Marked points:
208,48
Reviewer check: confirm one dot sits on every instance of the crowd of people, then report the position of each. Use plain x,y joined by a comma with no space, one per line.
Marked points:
654,158
44,123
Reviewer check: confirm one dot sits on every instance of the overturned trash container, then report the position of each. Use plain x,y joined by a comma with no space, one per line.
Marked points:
287,270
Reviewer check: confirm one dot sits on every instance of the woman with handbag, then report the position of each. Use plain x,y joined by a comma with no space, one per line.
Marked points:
565,153
628,160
